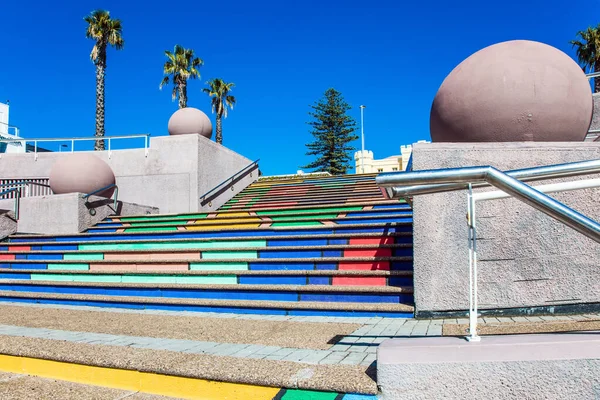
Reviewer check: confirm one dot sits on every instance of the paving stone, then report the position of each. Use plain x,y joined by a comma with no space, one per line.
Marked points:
334,358
357,348
434,330
298,355
353,359
339,347
520,319
226,349
534,319
369,359
315,357
504,320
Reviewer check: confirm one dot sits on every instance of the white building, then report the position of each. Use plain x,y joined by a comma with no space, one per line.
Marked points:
9,132
367,164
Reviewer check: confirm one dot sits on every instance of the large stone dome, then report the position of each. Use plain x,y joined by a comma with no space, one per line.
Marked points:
190,120
81,173
510,92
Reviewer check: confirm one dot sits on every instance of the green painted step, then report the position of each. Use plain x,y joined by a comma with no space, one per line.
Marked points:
123,278
306,223
165,228
308,210
150,218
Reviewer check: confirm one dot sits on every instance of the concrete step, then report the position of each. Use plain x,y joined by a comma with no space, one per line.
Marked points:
266,307
232,277
546,366
109,242
195,250
217,223
224,217
314,231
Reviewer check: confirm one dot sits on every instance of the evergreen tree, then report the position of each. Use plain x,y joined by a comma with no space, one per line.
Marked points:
333,130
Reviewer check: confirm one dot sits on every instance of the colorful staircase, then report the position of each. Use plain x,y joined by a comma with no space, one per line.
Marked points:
327,246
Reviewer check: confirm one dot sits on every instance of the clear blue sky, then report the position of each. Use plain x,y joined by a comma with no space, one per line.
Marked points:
390,55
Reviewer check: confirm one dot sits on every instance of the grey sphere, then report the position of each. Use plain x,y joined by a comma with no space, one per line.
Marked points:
189,120
515,91
81,173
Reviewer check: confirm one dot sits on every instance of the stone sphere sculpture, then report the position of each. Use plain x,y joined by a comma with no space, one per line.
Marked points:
515,91
81,173
190,120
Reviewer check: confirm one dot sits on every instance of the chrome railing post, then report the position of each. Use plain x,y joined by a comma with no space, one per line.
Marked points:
72,145
34,149
146,145
109,152
472,238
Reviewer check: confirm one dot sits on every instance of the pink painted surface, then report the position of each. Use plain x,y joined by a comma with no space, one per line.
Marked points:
369,240
7,256
371,266
193,255
368,253
19,248
358,281
162,267
112,267
513,91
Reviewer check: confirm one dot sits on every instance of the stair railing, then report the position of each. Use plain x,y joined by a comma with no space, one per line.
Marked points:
15,187
116,195
228,183
442,180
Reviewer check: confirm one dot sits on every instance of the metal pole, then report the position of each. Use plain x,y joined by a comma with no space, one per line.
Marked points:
362,136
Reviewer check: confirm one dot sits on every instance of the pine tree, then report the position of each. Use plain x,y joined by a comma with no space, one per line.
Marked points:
333,130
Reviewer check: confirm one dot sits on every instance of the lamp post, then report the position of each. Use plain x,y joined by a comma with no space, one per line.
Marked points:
362,136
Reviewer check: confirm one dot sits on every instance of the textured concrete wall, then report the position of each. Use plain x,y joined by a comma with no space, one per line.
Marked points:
176,172
525,258
596,113
70,213
8,223
512,367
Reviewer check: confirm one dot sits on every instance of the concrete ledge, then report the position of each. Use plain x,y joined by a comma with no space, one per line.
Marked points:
549,366
70,213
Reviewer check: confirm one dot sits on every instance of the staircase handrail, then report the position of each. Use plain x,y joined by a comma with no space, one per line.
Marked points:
112,185
389,184
229,182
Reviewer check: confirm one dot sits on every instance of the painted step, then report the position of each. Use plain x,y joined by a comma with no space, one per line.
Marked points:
256,206
274,215
222,277
252,264
386,250
300,293
380,228
222,243
300,202
255,222
388,204
292,308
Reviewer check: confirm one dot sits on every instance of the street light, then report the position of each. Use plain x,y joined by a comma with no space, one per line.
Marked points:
362,135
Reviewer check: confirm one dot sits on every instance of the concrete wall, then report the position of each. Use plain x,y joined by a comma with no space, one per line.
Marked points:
176,172
525,258
8,223
68,213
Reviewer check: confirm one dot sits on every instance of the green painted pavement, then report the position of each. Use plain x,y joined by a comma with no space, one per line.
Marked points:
70,267
151,229
182,279
309,210
298,394
220,255
176,245
85,256
153,223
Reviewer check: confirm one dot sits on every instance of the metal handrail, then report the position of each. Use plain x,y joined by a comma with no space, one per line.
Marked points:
455,179
388,182
35,141
112,185
24,183
208,196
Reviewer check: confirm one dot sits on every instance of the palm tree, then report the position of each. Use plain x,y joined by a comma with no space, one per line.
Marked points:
105,31
588,51
218,90
182,65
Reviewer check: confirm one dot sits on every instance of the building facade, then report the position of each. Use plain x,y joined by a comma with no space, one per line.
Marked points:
367,164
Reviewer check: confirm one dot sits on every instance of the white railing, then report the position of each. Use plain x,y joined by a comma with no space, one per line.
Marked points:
472,199
108,139
38,187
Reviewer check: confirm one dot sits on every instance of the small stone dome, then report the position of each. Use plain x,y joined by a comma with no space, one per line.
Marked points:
81,173
190,120
513,91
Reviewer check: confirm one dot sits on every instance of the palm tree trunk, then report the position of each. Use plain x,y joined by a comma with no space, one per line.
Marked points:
219,137
100,72
597,80
183,94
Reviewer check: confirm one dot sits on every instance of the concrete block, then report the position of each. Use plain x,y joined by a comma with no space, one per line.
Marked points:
560,366
70,213
526,259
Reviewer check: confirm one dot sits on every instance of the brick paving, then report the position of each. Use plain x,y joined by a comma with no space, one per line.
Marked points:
357,348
